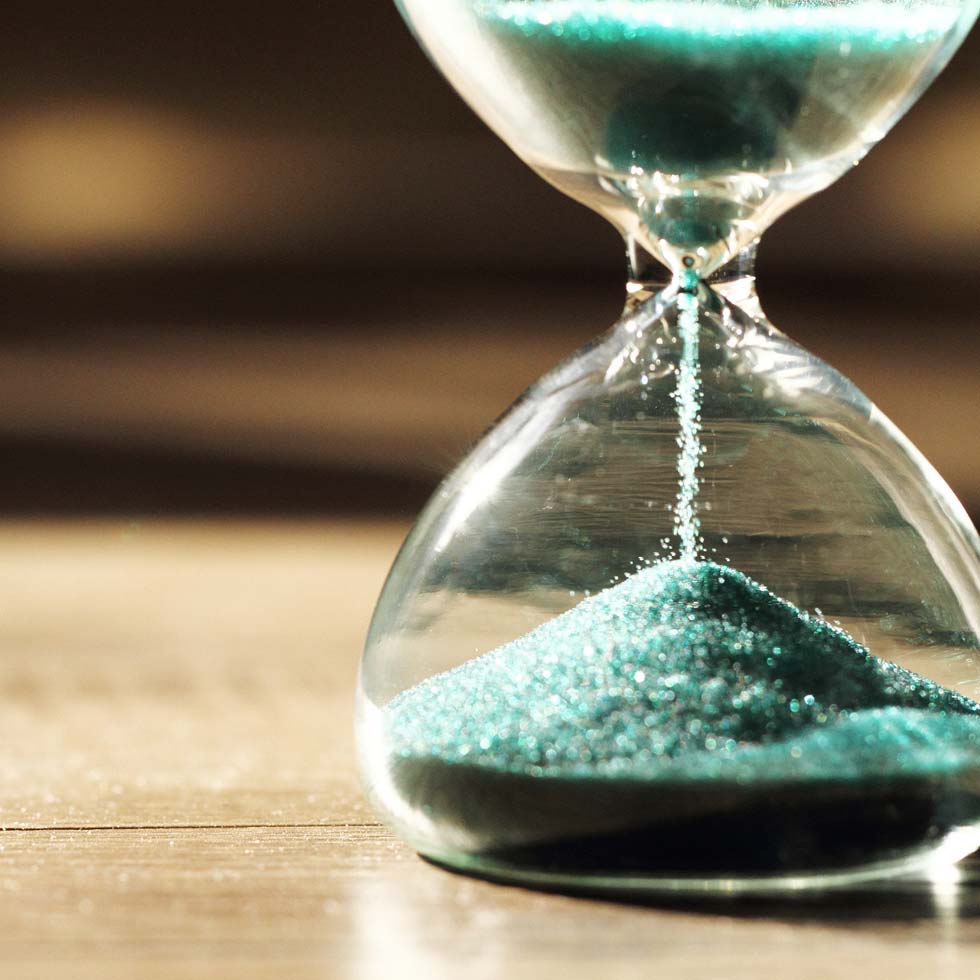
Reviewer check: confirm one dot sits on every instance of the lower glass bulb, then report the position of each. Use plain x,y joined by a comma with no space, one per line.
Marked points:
693,614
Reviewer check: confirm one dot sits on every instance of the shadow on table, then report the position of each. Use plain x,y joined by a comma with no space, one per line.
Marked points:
952,894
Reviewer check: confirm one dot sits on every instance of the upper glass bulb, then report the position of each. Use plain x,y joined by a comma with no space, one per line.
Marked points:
690,124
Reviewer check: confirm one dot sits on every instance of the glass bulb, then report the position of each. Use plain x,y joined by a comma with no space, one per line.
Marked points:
691,124
766,668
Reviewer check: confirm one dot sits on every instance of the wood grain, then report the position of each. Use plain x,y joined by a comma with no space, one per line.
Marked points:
178,796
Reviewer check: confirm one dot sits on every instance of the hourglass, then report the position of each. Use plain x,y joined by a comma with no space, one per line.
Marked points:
694,614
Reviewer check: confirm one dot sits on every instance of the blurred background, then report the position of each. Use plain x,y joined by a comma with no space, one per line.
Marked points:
258,259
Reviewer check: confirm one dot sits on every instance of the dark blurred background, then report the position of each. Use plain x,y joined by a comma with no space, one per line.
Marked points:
260,259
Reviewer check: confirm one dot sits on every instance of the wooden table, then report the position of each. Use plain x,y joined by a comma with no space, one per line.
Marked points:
178,795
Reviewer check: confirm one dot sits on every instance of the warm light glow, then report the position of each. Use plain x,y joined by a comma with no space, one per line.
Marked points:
89,176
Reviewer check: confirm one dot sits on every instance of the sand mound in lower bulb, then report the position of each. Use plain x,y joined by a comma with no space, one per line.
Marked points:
685,721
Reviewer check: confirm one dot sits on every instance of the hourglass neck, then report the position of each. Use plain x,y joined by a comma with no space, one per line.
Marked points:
734,281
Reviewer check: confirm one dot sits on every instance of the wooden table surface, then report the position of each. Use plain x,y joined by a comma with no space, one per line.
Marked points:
178,796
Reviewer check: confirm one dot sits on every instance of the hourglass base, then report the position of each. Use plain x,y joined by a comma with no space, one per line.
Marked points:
589,866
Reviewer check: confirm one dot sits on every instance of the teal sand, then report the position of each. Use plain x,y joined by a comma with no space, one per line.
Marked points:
697,88
685,722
